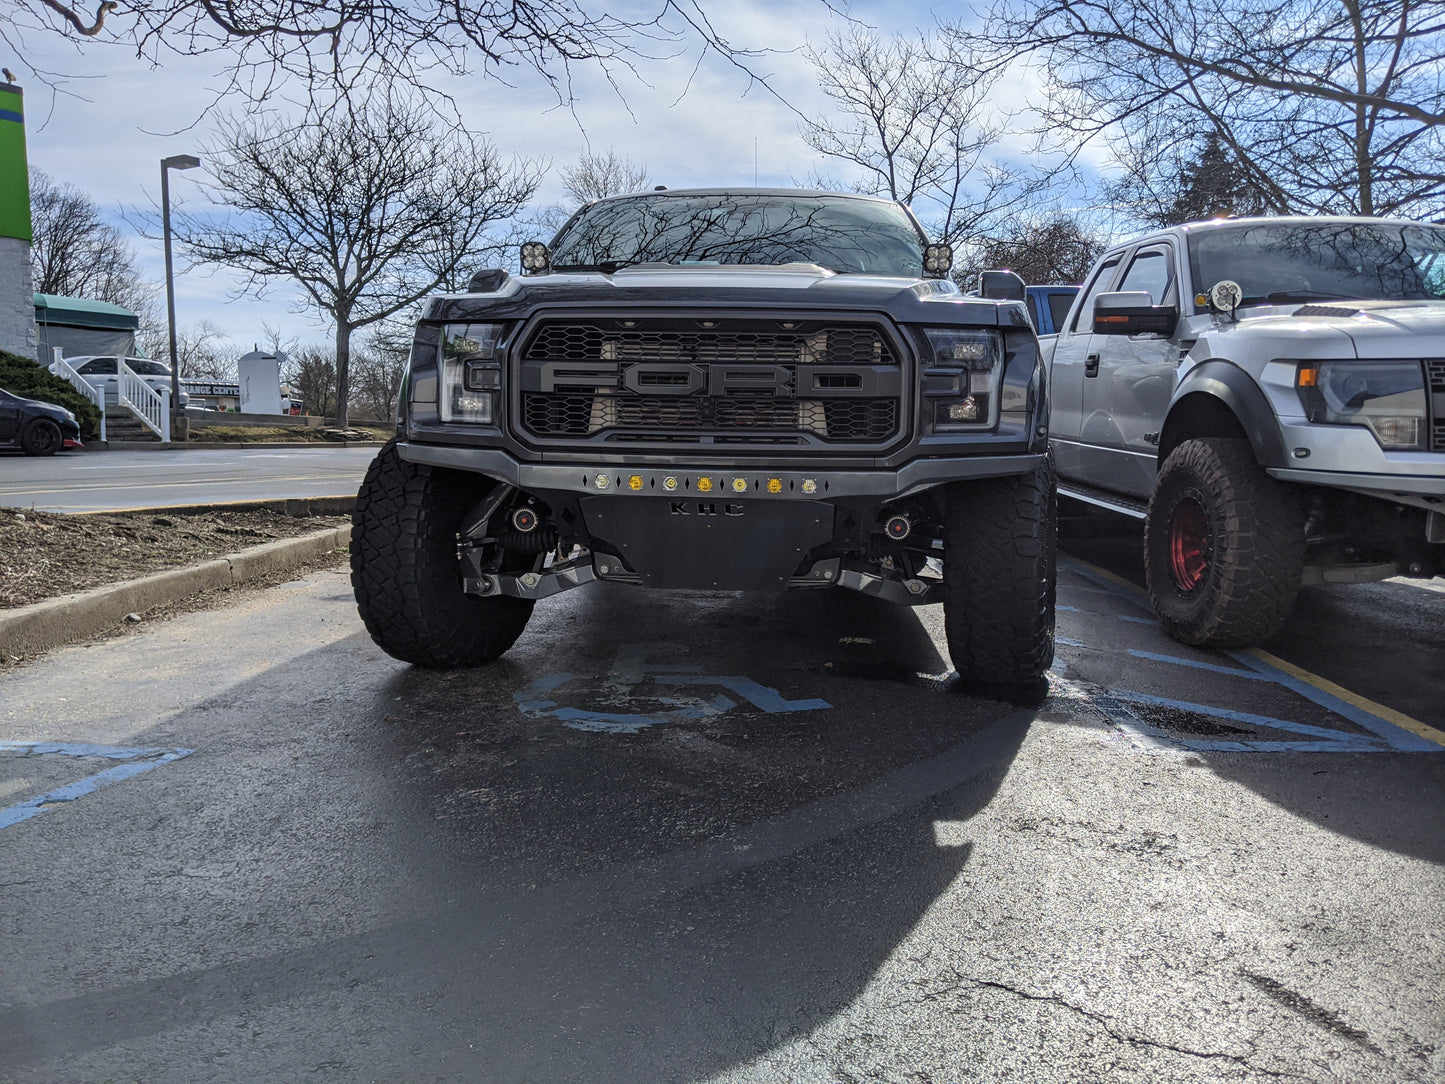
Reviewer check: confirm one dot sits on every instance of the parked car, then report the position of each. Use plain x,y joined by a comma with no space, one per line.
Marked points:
1268,395
1049,305
101,372
36,427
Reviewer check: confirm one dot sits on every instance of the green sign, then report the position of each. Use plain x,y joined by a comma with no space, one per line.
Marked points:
14,171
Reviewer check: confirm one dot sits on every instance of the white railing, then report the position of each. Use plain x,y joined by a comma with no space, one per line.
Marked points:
153,408
80,384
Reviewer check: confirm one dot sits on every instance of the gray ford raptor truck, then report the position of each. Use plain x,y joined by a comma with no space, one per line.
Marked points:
718,390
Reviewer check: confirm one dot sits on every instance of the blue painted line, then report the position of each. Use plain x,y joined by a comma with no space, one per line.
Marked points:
1064,641
67,749
1394,736
33,807
1195,664
1066,609
621,723
1137,620
769,700
1341,736
1107,586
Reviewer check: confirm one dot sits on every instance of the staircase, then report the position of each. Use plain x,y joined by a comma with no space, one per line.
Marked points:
122,425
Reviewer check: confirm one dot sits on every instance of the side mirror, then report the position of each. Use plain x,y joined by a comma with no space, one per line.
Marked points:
1001,286
1133,313
488,281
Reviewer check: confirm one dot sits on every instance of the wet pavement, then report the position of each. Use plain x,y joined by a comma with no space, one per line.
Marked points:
712,837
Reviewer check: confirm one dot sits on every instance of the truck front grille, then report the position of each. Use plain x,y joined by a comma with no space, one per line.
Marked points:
708,381
1435,377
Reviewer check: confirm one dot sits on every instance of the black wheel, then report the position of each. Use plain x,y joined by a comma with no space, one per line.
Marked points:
41,437
1000,543
1223,545
405,572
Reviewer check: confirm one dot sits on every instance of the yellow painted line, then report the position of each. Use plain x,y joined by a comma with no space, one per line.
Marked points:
1364,703
1390,715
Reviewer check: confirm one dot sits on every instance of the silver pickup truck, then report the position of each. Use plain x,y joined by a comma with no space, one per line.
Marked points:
1268,395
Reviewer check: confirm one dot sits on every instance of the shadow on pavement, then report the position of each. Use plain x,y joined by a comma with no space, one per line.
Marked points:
438,885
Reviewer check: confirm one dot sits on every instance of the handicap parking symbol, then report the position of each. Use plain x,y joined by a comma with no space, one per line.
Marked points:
633,678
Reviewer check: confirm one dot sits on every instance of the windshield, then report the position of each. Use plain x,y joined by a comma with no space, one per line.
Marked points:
836,232
1296,261
143,367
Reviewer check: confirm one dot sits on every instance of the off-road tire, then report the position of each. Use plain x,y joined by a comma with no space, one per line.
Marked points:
405,573
1224,545
999,575
41,437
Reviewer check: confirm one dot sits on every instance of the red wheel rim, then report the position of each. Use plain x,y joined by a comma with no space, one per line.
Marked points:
1188,543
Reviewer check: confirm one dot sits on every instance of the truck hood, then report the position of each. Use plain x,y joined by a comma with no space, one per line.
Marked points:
1330,329
789,287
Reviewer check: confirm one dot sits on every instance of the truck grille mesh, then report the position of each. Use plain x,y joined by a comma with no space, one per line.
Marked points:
655,381
1435,377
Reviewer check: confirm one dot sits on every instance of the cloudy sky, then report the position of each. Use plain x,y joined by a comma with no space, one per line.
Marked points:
108,119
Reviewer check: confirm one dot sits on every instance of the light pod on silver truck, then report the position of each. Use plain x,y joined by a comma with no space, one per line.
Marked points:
961,376
471,373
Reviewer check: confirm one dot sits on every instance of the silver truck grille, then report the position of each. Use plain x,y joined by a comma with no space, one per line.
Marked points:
1435,378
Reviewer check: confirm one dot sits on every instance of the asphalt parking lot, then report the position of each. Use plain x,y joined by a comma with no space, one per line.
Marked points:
709,838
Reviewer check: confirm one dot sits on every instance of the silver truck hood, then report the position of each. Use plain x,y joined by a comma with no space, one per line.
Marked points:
1364,329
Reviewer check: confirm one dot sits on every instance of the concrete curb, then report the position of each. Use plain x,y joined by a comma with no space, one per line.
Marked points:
212,445
341,505
28,630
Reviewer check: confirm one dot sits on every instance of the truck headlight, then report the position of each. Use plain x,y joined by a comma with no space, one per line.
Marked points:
471,373
961,375
1387,397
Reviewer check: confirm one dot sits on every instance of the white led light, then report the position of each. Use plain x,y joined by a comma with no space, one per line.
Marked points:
602,481
669,483
809,486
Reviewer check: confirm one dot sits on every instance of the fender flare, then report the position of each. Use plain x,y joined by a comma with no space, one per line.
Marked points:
1230,385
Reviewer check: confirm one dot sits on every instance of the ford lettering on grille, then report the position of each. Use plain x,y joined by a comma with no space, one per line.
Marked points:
709,381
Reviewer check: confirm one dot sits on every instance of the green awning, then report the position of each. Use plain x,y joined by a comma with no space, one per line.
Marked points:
80,312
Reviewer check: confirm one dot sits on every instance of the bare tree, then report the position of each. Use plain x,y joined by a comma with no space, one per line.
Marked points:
1324,105
914,121
378,369
1042,249
203,350
1162,188
598,175
368,211
311,374
76,253
338,44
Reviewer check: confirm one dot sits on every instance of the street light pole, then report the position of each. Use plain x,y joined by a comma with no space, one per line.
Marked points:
176,161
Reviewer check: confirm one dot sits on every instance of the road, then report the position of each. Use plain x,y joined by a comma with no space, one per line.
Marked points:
100,481
720,838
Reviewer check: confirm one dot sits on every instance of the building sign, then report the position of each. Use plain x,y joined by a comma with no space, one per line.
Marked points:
14,174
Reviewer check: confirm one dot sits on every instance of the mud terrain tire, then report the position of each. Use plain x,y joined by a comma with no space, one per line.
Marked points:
1000,546
405,573
1224,545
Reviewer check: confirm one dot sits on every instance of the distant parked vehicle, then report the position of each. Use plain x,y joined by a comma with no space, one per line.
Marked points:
1049,305
36,427
101,372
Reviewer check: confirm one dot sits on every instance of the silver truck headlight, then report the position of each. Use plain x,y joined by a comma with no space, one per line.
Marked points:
471,373
961,375
1387,397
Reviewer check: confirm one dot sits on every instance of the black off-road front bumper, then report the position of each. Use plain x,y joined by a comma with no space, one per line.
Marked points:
702,525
